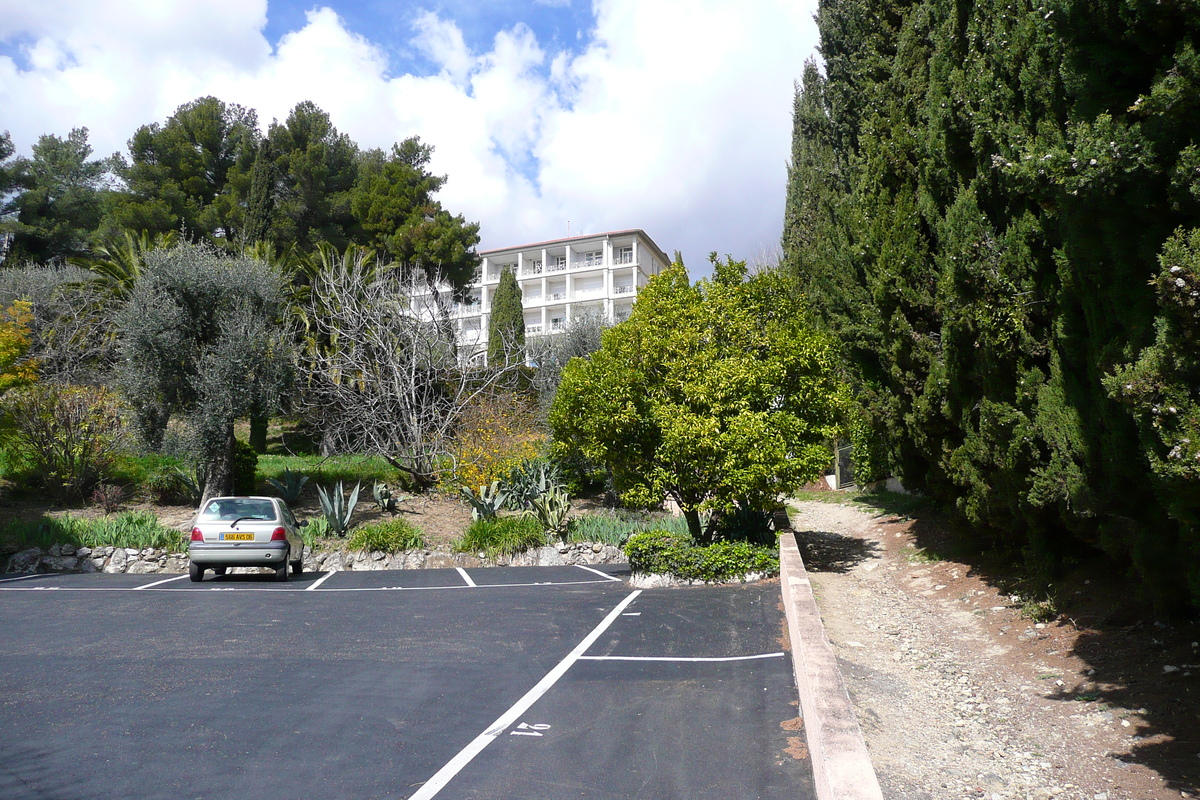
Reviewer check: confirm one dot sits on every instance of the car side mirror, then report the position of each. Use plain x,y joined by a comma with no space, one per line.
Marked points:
302,523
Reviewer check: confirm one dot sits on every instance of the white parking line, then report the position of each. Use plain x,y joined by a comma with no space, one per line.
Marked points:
466,577
250,588
681,658
464,757
598,572
159,583
320,580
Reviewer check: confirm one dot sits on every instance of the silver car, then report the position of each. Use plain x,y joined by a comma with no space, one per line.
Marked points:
246,532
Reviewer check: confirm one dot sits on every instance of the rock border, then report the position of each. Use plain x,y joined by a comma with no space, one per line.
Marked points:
128,560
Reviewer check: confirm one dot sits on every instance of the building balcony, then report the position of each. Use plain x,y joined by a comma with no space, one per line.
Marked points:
624,289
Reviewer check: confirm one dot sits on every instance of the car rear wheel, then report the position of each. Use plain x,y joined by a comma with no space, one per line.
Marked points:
298,566
196,572
281,572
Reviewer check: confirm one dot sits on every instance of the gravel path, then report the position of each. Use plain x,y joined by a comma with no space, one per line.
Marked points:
958,696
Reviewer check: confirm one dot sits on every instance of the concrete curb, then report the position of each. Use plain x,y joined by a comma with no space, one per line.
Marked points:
842,767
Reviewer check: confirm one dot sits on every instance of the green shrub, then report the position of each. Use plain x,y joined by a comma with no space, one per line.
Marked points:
501,536
316,530
672,553
388,536
615,527
245,465
168,485
68,435
135,529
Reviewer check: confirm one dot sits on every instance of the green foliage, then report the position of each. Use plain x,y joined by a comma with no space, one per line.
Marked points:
201,335
393,202
675,554
386,499
530,479
338,508
714,395
486,502
500,536
133,529
245,465
977,195
316,530
506,324
58,202
615,527
171,485
330,469
550,509
289,485
387,536
190,173
69,435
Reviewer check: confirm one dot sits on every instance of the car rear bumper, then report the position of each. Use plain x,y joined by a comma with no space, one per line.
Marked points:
238,554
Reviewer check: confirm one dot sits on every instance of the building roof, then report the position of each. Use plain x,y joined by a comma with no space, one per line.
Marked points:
630,232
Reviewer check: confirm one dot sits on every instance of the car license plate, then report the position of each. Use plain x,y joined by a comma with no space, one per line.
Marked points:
237,537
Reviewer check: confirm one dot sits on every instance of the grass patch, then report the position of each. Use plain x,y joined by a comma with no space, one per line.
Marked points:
134,529
388,536
920,555
815,496
347,469
502,536
1039,610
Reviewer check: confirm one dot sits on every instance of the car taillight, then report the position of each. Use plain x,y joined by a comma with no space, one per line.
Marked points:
279,535
197,536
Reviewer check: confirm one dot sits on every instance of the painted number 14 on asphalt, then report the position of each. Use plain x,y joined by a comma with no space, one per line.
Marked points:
525,729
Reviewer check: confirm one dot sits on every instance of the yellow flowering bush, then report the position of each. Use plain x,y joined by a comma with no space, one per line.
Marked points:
496,433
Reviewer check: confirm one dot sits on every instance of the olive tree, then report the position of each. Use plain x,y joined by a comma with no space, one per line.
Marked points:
203,335
714,395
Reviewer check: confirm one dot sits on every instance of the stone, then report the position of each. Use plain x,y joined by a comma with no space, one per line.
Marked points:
117,562
69,550
60,563
142,567
55,550
25,561
83,552
87,565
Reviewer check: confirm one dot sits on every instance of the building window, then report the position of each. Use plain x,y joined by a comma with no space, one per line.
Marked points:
594,258
624,255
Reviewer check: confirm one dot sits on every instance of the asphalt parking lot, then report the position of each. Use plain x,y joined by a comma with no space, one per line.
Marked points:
532,682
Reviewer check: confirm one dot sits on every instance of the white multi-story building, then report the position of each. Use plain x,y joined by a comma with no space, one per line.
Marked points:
561,279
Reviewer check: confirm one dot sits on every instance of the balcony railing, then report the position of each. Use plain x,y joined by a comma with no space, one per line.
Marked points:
624,289
536,328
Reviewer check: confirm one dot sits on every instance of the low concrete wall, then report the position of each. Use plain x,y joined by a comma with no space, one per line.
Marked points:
842,767
68,558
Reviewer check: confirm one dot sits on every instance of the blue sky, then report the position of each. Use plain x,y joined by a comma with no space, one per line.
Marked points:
669,115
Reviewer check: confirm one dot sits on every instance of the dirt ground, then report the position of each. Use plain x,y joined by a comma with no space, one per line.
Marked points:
962,694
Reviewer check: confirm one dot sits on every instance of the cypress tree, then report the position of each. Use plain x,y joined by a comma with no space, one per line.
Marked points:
978,194
506,325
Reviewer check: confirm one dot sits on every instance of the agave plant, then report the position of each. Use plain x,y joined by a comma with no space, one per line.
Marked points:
486,502
289,485
337,508
386,499
551,509
530,479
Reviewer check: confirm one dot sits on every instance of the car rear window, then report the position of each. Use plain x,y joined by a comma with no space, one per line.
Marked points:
238,509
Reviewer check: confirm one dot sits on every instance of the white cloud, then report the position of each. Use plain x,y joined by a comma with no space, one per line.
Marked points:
673,115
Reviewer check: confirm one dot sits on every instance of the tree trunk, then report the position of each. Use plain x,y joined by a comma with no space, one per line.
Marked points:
258,431
692,516
218,473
